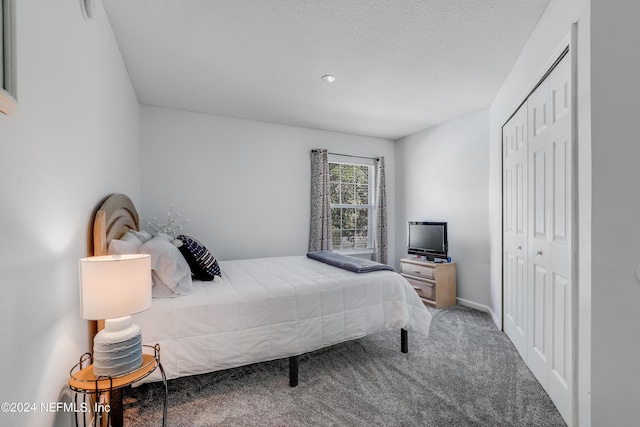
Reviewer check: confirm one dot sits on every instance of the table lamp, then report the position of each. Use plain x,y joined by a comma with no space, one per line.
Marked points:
112,288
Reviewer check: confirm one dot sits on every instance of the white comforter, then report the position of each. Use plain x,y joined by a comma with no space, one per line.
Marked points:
270,308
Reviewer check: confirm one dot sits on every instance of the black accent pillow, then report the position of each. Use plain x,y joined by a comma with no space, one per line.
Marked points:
203,265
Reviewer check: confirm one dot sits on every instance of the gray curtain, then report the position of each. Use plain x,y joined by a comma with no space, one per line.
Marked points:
320,235
380,243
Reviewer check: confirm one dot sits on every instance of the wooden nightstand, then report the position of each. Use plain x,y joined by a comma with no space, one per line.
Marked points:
83,380
435,283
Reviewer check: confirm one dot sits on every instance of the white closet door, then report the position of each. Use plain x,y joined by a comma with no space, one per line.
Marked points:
539,161
514,136
549,274
560,250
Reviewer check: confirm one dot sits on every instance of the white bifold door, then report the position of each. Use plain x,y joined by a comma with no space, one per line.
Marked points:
537,263
515,219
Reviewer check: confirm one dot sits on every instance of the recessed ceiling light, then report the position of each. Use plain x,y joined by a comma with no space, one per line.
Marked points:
328,78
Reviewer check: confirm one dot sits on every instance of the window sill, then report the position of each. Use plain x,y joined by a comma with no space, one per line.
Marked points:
354,252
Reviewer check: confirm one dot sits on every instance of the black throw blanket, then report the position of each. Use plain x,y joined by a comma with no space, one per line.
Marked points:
357,265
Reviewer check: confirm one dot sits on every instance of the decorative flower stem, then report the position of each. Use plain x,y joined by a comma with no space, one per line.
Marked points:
172,227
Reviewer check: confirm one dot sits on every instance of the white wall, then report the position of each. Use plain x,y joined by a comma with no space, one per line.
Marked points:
615,69
73,140
442,174
542,48
244,185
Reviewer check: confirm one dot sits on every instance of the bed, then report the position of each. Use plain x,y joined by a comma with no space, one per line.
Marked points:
264,309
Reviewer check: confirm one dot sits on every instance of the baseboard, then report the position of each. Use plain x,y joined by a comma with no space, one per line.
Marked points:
481,307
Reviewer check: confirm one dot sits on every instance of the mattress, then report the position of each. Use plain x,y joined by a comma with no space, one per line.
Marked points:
270,308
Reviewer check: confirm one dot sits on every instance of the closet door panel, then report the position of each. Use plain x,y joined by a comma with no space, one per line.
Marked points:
515,228
540,164
560,250
560,329
538,329
539,191
561,208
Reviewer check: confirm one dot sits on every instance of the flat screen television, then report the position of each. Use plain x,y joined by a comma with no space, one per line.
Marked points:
428,239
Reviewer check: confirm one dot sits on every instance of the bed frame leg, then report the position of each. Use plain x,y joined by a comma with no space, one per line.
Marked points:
293,371
404,341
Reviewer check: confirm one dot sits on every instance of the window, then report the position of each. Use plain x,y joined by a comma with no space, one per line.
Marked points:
352,205
7,57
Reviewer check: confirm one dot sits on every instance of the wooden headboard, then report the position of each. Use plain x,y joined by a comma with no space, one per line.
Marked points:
116,216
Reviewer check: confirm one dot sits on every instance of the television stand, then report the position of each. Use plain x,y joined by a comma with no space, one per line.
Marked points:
435,283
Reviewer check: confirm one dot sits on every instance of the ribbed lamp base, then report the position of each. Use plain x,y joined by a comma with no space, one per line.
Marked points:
117,349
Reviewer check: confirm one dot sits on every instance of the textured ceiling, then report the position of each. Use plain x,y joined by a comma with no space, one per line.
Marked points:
401,66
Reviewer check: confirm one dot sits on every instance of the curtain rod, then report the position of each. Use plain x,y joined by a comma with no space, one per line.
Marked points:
349,155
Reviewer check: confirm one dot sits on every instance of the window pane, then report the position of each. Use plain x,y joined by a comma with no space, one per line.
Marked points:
335,192
362,239
348,218
335,239
335,218
362,174
348,193
347,241
362,219
334,172
348,173
362,195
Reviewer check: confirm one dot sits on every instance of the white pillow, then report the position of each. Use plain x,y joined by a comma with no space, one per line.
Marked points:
131,238
159,289
141,235
171,274
128,244
121,247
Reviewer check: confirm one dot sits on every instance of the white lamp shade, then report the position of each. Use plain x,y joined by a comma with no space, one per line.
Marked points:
114,285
